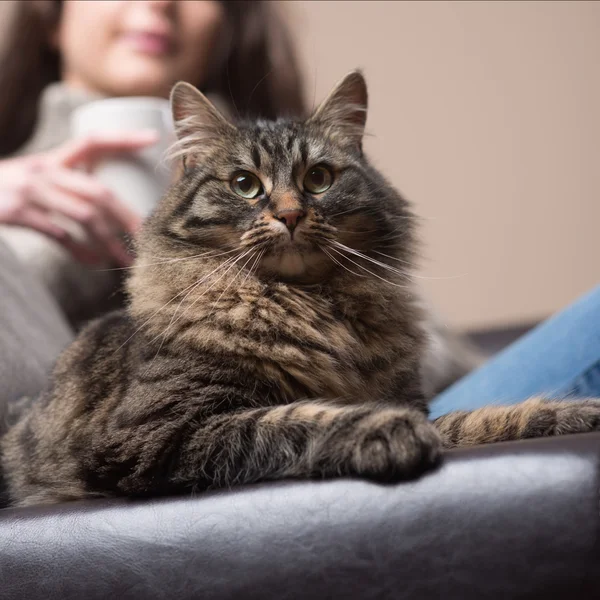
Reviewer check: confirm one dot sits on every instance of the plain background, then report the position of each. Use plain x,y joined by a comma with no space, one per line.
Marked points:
487,116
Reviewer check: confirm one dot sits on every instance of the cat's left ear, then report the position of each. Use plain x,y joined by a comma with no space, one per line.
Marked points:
344,111
198,123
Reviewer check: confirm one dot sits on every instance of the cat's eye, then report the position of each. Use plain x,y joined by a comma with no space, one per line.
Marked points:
318,179
246,184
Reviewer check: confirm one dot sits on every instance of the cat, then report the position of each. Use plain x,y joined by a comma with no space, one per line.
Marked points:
273,330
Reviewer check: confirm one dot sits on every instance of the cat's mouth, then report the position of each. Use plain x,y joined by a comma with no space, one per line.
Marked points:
292,253
292,256
285,262
287,255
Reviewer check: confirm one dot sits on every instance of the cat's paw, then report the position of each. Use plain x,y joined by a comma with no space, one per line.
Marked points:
562,418
384,444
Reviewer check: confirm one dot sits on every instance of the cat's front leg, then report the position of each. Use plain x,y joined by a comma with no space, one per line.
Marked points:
530,419
302,440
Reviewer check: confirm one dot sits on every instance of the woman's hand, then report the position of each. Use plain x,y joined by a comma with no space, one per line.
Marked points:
35,188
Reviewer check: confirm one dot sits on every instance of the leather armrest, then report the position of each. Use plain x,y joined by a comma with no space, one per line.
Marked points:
516,520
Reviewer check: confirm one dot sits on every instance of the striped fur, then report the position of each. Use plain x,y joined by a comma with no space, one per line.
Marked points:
533,418
246,354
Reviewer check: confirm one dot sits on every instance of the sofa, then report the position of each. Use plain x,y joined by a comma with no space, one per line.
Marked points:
516,520
512,521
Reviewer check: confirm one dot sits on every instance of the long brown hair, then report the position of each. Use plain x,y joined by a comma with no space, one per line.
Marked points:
258,72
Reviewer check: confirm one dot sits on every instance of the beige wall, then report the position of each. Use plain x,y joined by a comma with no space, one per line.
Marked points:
487,116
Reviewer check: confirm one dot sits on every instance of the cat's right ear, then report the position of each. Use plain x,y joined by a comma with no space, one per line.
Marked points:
197,123
344,111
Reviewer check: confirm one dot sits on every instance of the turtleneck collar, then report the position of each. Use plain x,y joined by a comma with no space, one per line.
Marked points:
57,103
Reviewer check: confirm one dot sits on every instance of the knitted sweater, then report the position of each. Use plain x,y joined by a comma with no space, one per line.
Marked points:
80,292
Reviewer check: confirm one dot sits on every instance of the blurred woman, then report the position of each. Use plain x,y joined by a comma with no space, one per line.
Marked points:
62,54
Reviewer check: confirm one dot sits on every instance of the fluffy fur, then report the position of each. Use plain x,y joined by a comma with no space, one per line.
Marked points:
251,350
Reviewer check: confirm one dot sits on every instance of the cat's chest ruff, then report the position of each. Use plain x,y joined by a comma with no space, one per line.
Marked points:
312,338
296,316
305,342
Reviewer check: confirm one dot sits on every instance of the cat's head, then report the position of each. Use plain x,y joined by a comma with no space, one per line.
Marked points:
293,199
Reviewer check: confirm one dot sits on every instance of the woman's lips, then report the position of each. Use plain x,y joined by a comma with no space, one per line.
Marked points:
156,44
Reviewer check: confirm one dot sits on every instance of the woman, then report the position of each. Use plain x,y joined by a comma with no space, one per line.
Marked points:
65,53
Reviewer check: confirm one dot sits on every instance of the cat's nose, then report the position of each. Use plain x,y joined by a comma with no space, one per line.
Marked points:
291,217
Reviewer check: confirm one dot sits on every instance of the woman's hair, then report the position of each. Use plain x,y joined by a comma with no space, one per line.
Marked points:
257,72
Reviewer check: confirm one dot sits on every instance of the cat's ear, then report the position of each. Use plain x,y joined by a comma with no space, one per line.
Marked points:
345,109
197,122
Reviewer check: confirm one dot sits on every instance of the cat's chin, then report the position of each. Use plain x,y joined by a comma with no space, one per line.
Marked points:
288,263
294,263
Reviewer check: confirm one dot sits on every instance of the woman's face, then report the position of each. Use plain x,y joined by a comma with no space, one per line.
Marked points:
137,47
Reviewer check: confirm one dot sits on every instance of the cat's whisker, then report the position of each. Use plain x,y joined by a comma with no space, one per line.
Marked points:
321,225
336,261
167,304
367,270
209,254
405,262
356,232
213,284
260,254
208,251
420,276
256,236
367,210
318,239
216,302
172,321
229,264
344,212
370,259
393,269
259,241
391,237
158,257
403,274
394,235
164,334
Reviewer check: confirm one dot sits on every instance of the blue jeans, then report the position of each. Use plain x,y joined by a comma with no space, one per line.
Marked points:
558,359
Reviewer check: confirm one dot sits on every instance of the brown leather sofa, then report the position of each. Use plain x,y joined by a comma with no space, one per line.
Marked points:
507,521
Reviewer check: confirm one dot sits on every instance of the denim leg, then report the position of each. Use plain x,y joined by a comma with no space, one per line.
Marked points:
560,358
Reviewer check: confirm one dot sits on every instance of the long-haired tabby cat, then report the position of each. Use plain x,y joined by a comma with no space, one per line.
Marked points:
273,330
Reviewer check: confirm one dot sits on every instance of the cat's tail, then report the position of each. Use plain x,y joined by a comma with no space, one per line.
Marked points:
10,413
448,355
530,419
